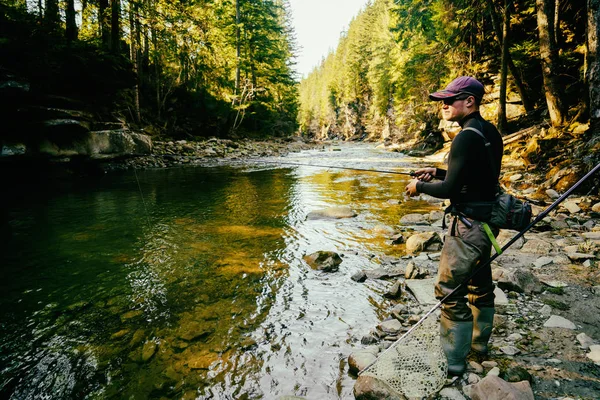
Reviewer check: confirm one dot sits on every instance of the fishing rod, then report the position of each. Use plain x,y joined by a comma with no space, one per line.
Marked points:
411,173
541,216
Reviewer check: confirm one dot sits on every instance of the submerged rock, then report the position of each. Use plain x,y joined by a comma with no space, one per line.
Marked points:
332,213
326,261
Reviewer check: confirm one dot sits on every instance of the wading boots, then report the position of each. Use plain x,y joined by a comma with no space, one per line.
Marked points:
455,337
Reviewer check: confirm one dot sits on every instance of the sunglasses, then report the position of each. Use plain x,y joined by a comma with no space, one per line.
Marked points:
451,101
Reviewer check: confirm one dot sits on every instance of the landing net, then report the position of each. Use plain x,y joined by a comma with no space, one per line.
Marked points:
416,365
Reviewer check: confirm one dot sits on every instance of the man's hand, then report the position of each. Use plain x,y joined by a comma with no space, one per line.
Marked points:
425,174
411,188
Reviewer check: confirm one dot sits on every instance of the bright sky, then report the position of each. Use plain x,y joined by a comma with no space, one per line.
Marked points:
318,24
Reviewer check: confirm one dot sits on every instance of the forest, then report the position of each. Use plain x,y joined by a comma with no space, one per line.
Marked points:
184,68
225,68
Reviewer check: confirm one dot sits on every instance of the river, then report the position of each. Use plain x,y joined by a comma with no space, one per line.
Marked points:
189,282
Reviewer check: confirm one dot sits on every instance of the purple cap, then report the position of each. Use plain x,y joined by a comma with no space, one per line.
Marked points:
461,85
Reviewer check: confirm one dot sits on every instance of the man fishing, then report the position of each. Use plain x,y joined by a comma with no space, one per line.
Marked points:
467,315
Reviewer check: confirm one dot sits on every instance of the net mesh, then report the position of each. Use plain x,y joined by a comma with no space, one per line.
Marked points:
416,365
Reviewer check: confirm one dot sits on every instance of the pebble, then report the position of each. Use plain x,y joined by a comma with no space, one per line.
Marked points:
585,341
476,367
557,321
509,350
494,371
489,364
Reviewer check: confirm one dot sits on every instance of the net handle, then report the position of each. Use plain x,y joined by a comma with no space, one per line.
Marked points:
540,216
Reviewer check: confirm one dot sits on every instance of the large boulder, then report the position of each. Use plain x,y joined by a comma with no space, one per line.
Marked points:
494,388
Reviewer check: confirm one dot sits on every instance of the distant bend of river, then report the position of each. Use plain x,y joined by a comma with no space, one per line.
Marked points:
189,282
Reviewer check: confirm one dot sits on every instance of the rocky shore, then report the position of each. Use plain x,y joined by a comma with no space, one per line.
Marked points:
546,338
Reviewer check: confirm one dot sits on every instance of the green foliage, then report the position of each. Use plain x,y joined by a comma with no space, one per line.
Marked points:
181,55
396,52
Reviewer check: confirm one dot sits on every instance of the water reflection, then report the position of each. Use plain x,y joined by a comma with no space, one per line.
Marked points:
193,285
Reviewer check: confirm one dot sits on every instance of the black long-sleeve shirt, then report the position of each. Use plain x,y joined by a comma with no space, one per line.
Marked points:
469,176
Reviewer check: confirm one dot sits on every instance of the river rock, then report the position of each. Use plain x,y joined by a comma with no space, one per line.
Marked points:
414,219
580,256
359,277
521,281
332,213
571,207
557,321
395,291
596,208
594,353
414,272
585,341
326,261
495,388
451,393
553,194
359,360
390,327
595,236
370,388
149,350
422,241
506,235
537,246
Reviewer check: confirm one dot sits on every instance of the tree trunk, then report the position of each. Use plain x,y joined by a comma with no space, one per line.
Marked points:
237,46
516,74
593,71
550,66
135,55
115,26
502,122
71,31
51,14
104,21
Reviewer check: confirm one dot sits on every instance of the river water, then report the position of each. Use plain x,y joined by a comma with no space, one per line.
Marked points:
190,283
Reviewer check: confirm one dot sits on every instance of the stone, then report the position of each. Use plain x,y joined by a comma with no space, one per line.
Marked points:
332,213
500,297
414,219
149,350
540,262
489,364
594,353
515,177
591,235
521,281
553,194
360,360
545,311
326,261
423,290
390,327
473,378
395,291
585,341
475,367
451,393
557,321
378,273
514,337
369,388
495,388
359,277
13,150
596,208
537,246
575,256
422,241
571,207
397,239
509,350
495,371
414,272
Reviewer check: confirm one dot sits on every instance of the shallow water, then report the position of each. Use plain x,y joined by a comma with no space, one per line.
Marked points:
189,282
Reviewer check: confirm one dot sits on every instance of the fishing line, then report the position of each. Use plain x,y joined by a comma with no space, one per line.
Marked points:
143,200
411,173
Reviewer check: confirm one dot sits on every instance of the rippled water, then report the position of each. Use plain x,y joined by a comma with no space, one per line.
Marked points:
192,284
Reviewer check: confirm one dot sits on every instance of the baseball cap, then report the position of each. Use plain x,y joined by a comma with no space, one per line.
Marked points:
461,85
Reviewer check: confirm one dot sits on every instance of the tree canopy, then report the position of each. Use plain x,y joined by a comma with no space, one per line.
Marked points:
395,52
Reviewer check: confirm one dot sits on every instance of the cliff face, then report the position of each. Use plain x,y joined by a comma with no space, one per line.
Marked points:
41,125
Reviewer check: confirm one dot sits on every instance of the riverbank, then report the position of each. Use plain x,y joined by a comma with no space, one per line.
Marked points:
547,324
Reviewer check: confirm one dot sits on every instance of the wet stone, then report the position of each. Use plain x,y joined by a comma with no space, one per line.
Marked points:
149,350
360,277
